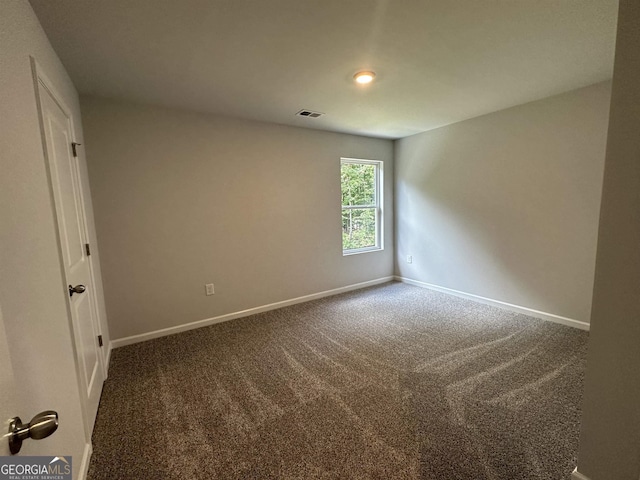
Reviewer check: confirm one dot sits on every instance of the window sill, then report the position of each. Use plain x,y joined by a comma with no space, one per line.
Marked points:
347,253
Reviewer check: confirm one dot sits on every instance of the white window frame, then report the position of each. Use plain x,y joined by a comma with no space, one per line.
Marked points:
378,206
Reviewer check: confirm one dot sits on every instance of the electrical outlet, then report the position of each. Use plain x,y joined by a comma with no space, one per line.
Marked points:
409,259
209,289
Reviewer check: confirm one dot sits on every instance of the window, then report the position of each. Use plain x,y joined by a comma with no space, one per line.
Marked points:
361,182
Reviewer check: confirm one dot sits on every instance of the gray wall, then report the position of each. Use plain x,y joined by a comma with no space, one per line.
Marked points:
505,206
32,290
610,436
183,199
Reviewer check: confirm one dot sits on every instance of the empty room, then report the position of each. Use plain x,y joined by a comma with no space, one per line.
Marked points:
310,239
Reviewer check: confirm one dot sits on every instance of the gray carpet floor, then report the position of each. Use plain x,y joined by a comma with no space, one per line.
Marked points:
388,382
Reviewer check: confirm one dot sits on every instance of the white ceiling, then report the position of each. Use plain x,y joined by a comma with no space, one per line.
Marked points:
437,61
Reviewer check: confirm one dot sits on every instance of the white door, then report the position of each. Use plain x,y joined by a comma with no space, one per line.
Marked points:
8,387
69,205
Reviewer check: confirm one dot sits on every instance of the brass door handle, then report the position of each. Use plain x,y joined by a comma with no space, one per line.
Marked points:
41,426
76,289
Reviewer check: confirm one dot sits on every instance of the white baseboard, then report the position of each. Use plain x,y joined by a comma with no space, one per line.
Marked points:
107,359
497,303
121,342
576,475
83,469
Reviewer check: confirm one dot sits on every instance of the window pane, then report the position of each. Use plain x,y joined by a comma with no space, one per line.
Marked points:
358,184
358,228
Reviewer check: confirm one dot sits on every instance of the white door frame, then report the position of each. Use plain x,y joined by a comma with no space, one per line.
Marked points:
40,78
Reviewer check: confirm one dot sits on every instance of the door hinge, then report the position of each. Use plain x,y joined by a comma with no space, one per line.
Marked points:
73,148
87,249
100,340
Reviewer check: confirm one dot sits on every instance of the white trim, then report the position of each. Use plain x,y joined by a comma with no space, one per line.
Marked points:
576,475
121,342
360,160
107,360
356,251
497,303
84,464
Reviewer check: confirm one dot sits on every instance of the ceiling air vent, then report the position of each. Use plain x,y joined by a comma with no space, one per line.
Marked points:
309,113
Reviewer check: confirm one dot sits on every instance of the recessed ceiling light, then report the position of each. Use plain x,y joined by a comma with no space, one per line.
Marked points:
364,77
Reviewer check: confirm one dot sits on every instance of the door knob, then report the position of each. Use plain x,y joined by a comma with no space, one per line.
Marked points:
76,289
41,426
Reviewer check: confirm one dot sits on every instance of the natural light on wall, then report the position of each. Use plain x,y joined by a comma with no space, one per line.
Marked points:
361,182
